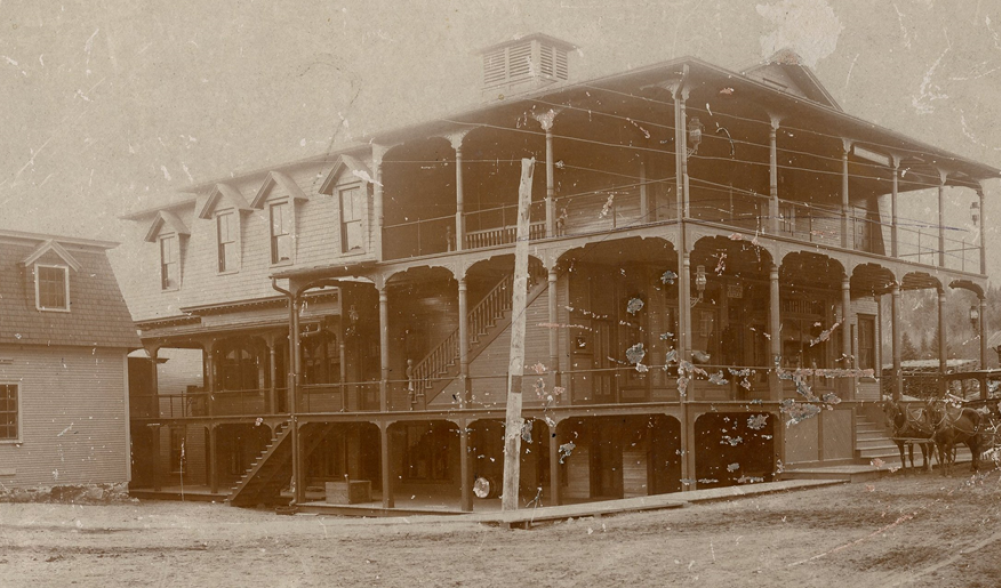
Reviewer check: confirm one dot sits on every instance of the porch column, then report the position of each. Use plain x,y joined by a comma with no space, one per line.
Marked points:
645,214
983,339
983,248
774,332
210,376
895,186
554,340
679,184
845,205
464,343
942,351
154,352
460,211
342,357
686,194
465,472
846,339
213,458
554,465
898,376
773,177
685,309
547,125
941,221
387,467
377,201
383,348
157,458
272,404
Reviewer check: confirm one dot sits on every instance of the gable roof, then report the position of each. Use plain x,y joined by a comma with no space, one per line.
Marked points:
98,315
345,163
53,246
172,221
223,192
785,72
277,178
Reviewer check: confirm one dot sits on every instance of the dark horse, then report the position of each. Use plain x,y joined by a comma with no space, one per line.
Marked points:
910,427
959,425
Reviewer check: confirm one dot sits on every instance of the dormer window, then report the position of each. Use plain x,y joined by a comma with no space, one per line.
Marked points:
52,288
353,208
227,245
281,231
170,263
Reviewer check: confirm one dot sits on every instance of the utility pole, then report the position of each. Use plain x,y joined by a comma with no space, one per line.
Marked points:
516,363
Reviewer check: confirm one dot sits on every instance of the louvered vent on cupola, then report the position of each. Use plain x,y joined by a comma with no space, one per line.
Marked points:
523,64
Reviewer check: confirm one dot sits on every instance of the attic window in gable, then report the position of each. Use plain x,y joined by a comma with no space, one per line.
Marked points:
52,288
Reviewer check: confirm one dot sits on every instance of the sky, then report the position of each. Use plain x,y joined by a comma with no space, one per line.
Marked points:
110,106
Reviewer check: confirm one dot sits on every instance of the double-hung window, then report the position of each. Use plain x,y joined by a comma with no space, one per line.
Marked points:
170,263
281,231
352,216
52,288
9,430
227,229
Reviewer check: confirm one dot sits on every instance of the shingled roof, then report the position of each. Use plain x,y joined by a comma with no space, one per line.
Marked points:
98,316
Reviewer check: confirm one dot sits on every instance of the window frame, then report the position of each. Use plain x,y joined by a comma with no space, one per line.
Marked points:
233,244
360,220
176,250
273,239
38,289
16,412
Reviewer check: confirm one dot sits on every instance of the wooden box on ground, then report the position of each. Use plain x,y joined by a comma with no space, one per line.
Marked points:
352,492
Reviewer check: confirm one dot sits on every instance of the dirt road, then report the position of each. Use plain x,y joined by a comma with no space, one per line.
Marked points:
921,531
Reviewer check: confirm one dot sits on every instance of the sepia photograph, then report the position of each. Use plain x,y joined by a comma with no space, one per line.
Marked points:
438,293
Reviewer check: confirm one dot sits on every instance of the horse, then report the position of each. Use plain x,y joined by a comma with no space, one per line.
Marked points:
954,425
909,425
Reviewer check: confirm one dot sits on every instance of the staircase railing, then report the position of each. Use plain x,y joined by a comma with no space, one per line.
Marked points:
445,354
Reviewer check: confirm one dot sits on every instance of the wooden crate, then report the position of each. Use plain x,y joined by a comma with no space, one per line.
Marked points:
352,492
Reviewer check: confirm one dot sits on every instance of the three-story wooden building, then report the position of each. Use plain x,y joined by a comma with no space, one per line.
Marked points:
708,253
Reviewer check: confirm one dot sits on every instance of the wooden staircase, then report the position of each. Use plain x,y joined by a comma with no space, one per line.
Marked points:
487,320
873,441
271,472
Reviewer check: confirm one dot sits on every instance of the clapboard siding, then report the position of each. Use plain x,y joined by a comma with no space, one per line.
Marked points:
74,416
317,242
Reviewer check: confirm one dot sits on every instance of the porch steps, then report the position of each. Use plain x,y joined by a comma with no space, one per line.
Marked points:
270,472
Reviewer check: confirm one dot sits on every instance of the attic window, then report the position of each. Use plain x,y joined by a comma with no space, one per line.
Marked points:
52,288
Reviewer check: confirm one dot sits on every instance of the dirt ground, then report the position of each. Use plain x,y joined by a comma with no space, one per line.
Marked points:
921,530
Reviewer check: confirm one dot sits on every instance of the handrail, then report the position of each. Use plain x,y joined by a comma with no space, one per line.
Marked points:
446,353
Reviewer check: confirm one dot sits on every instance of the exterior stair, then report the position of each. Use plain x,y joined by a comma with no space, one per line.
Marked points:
874,441
487,320
270,472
